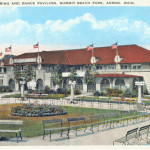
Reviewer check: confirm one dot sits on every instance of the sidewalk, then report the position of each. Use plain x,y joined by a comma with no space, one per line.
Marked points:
98,138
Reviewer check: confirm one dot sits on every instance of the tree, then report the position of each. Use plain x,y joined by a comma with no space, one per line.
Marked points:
72,76
57,75
90,75
23,73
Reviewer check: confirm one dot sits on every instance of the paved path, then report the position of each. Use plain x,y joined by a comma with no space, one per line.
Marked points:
98,138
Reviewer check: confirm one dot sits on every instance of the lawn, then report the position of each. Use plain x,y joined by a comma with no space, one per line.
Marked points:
33,125
53,96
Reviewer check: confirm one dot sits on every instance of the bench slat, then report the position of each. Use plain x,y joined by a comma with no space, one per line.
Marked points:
52,129
13,122
10,131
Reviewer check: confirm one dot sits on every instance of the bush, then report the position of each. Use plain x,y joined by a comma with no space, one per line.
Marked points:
77,92
5,89
47,90
128,93
97,93
145,92
62,91
113,92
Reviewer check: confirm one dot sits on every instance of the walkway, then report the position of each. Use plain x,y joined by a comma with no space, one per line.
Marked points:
99,138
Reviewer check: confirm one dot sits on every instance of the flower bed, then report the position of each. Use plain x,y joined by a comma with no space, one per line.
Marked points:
36,110
125,100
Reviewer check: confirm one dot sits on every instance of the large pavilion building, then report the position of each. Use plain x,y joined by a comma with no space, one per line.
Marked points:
133,65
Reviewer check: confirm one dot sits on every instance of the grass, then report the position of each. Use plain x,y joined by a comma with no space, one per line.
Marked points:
12,96
33,125
44,97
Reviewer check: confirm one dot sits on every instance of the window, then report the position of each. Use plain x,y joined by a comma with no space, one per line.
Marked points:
1,82
112,67
136,67
99,67
124,66
78,68
4,70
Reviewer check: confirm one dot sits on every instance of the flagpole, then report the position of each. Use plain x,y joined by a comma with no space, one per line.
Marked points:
11,50
117,51
38,50
117,58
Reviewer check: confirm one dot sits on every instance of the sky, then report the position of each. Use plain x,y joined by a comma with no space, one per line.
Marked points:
61,28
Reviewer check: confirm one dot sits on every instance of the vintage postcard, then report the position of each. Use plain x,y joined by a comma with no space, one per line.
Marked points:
74,73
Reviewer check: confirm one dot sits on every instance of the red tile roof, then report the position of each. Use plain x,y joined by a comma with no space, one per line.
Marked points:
115,75
106,55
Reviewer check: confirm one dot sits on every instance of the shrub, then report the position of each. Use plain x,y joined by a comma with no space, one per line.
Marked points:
47,90
77,92
145,92
97,93
62,91
5,89
128,93
113,92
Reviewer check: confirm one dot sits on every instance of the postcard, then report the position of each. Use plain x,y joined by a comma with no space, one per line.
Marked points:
74,73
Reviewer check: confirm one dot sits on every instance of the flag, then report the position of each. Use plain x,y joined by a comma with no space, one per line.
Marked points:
8,49
114,46
36,45
1,54
90,47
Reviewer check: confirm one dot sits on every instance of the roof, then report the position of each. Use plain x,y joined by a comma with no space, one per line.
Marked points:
105,55
116,75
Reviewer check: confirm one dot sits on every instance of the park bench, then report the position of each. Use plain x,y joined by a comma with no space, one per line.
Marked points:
77,123
144,133
130,138
111,119
53,126
12,126
96,120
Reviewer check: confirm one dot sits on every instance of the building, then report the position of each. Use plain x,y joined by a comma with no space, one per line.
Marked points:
133,65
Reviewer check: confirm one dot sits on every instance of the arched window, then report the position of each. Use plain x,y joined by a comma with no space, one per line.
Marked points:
39,85
79,84
11,84
105,84
66,84
120,84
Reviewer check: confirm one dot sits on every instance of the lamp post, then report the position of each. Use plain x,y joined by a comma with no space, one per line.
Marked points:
72,83
22,83
139,84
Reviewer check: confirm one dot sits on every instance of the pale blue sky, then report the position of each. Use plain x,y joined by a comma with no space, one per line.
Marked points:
73,27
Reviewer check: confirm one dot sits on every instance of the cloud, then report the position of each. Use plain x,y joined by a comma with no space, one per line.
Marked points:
59,31
9,14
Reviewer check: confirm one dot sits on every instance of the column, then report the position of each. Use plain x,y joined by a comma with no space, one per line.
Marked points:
98,81
84,87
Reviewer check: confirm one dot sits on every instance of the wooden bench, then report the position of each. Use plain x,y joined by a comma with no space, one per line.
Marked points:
110,119
144,131
130,135
54,125
97,120
77,123
12,126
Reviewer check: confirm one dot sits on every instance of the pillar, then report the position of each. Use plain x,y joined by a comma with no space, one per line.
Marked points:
84,87
139,94
98,87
